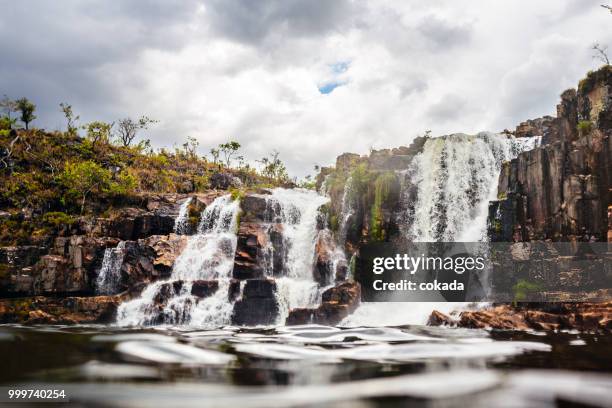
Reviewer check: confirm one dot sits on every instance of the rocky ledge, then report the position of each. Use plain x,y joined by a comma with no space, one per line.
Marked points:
55,310
549,316
337,303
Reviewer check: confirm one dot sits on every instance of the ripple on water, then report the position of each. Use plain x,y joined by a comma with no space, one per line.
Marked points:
169,352
405,352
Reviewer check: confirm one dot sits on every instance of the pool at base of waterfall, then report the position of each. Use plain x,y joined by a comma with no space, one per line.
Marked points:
308,366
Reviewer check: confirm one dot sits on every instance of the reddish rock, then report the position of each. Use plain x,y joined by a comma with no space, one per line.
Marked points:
440,319
337,303
564,316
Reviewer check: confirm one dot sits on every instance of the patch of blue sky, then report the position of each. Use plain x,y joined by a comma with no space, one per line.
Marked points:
329,87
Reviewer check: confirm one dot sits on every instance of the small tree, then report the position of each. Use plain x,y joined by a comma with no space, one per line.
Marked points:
228,150
83,178
26,109
274,168
71,120
98,132
600,53
8,106
215,155
190,147
128,128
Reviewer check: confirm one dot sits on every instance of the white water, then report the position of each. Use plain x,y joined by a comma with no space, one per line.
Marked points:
298,216
181,223
456,177
209,255
110,274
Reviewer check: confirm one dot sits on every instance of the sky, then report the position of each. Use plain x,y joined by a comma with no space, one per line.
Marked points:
311,79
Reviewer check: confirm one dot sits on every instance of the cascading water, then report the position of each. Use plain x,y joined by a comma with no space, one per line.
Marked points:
456,177
445,193
181,223
297,213
209,255
110,273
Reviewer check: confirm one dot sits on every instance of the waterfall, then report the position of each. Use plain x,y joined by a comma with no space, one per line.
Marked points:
181,223
456,177
297,212
209,255
110,274
445,193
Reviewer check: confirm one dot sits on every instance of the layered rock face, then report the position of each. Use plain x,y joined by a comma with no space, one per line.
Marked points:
557,316
561,190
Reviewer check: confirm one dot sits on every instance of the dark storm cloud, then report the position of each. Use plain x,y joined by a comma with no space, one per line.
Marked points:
253,21
54,51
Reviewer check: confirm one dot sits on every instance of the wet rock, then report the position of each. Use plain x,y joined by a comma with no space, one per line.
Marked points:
258,304
150,259
337,303
551,316
234,290
204,288
440,319
329,261
259,249
167,291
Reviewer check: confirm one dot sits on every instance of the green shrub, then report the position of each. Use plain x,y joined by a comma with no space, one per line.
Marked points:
584,127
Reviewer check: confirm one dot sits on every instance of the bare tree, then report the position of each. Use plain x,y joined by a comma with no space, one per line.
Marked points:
128,128
600,53
71,120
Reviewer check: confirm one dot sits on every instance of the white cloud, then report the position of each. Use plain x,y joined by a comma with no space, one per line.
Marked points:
251,71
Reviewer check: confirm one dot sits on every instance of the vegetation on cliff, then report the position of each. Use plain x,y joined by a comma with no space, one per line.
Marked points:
48,179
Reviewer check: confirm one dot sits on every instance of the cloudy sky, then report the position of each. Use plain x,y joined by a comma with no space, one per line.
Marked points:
311,78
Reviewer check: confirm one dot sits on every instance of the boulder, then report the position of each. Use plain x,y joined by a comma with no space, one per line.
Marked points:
337,303
258,304
205,288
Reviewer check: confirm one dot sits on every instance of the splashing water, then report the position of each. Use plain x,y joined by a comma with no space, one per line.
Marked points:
208,255
456,177
181,223
297,212
107,282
